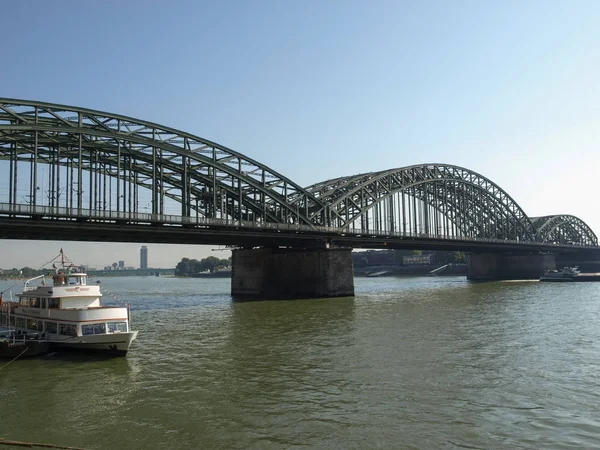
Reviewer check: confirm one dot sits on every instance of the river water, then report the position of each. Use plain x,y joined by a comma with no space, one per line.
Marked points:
407,363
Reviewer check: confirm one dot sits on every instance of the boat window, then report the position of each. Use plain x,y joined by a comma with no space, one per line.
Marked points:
51,327
67,329
34,324
20,322
83,281
117,326
93,328
53,302
73,280
34,302
44,303
24,301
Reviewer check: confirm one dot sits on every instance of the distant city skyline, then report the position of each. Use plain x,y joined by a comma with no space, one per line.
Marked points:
95,255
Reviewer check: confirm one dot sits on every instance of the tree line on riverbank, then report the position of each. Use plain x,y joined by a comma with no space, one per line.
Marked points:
191,267
25,272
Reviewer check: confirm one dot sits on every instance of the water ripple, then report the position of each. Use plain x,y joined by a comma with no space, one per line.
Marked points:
408,363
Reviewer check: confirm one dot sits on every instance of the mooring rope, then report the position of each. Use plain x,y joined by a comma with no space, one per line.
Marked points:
36,444
15,358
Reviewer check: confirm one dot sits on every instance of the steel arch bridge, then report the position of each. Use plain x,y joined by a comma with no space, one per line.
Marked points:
65,162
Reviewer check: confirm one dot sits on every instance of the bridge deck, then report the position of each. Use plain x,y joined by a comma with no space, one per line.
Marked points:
28,222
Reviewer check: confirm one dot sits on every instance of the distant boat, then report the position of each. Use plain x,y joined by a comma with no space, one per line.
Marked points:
564,274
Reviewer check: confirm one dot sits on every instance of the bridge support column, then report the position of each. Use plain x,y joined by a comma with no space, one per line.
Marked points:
283,273
491,266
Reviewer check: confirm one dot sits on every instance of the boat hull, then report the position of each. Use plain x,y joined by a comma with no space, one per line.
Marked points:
116,344
578,278
23,349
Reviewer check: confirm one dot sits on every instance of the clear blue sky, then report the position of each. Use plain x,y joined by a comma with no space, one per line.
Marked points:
320,89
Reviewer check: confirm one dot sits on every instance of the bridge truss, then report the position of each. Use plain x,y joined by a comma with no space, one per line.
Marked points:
71,162
436,199
76,158
564,229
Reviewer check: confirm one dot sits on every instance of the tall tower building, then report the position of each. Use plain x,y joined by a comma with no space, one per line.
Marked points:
144,257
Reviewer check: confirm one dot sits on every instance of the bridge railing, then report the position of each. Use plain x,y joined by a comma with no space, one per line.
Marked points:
63,213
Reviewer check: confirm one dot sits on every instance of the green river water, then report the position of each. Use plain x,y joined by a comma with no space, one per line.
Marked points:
408,363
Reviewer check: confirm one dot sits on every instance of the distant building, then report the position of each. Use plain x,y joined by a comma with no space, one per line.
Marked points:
144,257
121,265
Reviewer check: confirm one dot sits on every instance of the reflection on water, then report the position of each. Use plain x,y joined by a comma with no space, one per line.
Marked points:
407,363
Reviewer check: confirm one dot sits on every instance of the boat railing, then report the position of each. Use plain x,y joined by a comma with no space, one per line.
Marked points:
17,339
31,288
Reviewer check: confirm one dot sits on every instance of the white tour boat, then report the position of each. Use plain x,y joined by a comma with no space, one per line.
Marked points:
69,313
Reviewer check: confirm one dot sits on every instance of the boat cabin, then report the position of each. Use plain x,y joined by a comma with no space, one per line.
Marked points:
69,279
69,291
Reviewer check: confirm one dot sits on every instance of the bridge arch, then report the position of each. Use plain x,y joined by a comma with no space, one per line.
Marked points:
437,199
76,158
564,229
97,160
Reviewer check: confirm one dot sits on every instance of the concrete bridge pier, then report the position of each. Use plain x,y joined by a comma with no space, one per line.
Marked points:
497,266
288,273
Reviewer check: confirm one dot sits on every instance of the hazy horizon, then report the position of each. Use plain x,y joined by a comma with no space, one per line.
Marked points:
95,256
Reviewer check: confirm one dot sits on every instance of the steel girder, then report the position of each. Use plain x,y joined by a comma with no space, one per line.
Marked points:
110,156
564,229
475,206
199,174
